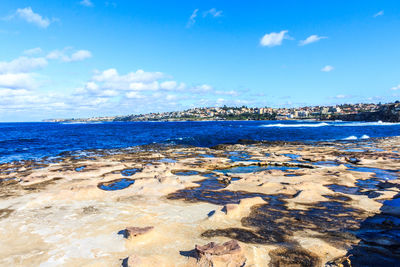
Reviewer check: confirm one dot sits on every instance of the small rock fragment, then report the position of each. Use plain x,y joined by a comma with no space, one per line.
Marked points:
136,231
226,254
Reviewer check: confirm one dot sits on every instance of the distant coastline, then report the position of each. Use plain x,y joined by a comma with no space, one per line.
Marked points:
389,112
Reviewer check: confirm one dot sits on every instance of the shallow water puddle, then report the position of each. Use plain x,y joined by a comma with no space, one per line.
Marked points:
354,150
130,172
185,172
241,156
167,160
368,183
326,163
379,173
255,168
393,202
206,156
292,156
118,184
80,168
352,190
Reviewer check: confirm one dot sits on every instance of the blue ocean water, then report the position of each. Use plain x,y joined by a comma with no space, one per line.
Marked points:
36,140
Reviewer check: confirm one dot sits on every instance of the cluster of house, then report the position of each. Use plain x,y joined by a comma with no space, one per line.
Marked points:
280,113
220,113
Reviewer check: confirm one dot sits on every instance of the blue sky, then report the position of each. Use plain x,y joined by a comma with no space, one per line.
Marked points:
111,57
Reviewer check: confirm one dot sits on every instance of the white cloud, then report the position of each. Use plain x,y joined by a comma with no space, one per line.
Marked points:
33,51
231,93
182,86
55,54
109,93
29,16
220,101
394,88
204,88
274,38
139,80
22,65
311,39
75,56
93,89
87,3
341,96
140,86
110,3
6,92
133,95
103,93
213,12
92,86
16,80
192,18
171,97
380,13
169,85
327,68
18,74
80,55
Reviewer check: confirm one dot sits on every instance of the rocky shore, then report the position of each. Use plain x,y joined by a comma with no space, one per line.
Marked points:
248,204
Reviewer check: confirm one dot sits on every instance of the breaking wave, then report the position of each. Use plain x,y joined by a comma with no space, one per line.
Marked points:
333,124
377,123
296,125
353,137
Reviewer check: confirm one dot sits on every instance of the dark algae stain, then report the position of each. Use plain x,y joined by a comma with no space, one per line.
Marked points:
293,256
211,190
273,223
247,236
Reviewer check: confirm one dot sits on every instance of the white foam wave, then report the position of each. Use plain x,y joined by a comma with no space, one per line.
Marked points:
377,123
351,138
296,125
334,124
82,122
365,136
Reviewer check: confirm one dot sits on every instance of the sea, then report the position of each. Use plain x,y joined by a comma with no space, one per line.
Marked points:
35,140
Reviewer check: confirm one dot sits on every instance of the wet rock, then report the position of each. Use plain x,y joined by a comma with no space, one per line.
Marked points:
136,231
226,254
293,257
339,262
381,238
352,160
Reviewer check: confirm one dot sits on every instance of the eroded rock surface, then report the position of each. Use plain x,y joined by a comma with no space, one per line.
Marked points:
261,203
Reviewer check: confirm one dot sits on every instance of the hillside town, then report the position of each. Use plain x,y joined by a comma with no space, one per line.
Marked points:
344,111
